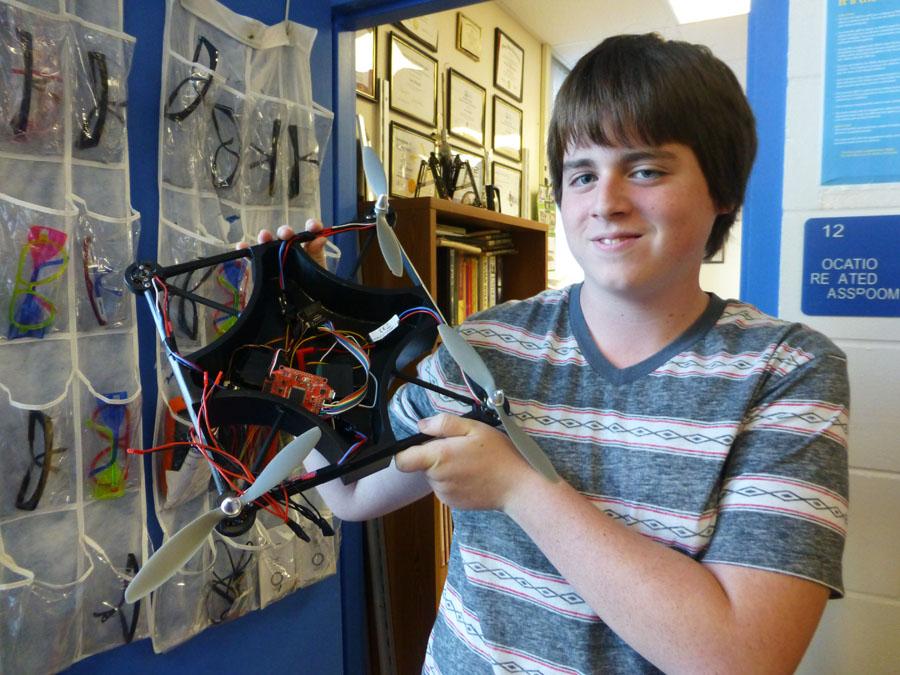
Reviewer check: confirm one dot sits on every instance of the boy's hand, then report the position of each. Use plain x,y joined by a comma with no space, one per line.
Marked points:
470,465
315,248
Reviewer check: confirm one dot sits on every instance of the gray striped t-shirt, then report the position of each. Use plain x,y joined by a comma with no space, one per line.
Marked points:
729,446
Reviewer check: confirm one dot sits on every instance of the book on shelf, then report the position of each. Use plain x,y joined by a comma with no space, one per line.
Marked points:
447,242
467,282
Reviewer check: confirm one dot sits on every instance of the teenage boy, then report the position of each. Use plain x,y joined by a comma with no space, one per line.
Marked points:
700,519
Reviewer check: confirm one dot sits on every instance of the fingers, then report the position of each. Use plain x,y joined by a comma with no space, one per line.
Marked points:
417,458
444,425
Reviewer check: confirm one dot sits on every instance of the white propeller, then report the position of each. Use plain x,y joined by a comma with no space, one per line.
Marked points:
471,364
390,247
172,555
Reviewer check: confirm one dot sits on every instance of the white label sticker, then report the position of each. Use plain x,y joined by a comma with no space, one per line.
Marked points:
382,331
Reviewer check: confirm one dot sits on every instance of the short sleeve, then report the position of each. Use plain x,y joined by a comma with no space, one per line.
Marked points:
784,498
412,402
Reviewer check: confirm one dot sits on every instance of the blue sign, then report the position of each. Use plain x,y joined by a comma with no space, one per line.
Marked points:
860,142
851,266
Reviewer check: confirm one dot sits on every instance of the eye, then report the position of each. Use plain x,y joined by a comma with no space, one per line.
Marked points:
647,173
581,179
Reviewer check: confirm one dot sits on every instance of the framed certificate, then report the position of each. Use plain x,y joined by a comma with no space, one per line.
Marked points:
468,36
366,60
509,65
408,149
413,82
466,103
423,29
507,137
508,182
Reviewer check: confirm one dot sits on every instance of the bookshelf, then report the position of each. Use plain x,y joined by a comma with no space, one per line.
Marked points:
416,539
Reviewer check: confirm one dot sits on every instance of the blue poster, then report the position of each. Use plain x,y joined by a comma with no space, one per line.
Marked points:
861,126
851,266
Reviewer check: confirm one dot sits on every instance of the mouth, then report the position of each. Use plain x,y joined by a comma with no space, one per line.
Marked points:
616,240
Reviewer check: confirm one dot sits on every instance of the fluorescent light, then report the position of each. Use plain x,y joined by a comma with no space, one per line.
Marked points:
691,11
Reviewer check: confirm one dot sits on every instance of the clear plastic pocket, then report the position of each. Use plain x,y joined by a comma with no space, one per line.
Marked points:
113,538
104,248
109,426
35,257
100,94
38,455
263,170
32,89
308,132
106,13
55,567
225,146
187,117
231,588
102,188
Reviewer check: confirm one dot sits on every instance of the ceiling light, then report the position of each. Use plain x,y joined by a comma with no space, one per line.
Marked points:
691,11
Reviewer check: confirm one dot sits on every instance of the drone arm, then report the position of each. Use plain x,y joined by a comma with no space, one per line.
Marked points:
372,496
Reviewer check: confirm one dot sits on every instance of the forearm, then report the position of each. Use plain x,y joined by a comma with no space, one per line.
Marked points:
671,609
370,497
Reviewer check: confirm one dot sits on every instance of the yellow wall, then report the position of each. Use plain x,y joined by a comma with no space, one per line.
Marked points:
488,16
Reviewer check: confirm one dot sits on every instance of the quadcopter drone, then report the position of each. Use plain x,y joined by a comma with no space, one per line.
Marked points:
310,355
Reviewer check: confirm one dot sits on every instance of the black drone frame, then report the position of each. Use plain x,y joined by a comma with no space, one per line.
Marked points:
310,296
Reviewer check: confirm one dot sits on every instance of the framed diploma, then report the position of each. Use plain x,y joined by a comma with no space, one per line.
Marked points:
509,65
366,60
423,29
507,136
408,149
413,82
468,36
509,183
466,103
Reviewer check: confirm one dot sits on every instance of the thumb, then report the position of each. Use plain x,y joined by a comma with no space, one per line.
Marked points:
416,458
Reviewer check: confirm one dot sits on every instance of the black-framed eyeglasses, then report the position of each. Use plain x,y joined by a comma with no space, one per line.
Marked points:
227,157
37,78
199,82
129,626
42,460
310,157
19,122
269,159
93,122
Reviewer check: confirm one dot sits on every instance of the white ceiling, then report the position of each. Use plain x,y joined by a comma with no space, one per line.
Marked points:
573,27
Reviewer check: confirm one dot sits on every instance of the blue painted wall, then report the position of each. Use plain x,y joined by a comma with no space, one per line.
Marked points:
767,90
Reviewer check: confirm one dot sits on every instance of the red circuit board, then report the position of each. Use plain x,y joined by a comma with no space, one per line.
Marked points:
305,389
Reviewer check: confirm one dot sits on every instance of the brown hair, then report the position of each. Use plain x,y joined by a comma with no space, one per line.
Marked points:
642,89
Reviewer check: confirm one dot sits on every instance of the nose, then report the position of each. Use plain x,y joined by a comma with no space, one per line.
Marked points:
611,198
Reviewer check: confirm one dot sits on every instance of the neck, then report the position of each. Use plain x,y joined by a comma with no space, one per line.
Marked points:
628,331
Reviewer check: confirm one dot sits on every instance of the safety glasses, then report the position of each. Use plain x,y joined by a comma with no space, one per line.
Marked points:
42,460
40,100
269,160
189,93
227,157
42,261
96,274
310,157
129,625
112,423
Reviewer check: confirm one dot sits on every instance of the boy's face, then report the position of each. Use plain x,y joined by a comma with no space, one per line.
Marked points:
637,219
